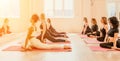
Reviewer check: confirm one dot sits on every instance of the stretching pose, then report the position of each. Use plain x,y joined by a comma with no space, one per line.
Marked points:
51,30
112,35
86,29
45,33
104,30
94,28
5,28
31,41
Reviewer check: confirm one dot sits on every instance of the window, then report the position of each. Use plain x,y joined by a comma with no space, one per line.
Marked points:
9,9
59,8
111,9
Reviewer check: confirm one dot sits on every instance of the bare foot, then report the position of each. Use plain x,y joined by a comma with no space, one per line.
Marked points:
65,36
27,49
67,47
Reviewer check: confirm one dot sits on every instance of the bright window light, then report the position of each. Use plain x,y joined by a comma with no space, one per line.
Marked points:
59,8
9,9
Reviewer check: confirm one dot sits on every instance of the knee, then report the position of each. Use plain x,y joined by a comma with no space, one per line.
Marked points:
102,44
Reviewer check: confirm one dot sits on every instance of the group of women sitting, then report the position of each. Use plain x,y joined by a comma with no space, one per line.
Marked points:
47,32
5,29
109,36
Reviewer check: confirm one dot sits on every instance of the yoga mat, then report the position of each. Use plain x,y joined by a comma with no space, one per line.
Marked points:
67,42
49,42
83,36
19,48
98,48
92,41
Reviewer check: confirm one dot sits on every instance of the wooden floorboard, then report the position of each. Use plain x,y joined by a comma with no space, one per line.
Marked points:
80,52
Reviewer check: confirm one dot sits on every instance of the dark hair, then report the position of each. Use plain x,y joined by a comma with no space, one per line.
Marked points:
104,20
114,21
94,21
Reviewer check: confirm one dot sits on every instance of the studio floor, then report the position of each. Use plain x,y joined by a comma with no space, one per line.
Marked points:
80,51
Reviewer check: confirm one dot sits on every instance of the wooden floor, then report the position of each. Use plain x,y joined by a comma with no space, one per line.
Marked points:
80,52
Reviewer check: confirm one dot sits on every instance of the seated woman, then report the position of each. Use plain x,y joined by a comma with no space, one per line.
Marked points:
112,35
94,29
5,28
86,29
103,30
45,33
31,41
50,30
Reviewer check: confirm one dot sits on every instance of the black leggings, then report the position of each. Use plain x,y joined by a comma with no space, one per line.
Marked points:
110,44
101,39
54,34
50,37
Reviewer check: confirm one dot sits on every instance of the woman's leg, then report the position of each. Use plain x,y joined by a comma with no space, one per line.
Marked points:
101,39
37,44
118,43
49,37
106,45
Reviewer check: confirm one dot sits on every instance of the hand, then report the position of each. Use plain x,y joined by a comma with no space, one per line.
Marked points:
65,36
114,47
67,47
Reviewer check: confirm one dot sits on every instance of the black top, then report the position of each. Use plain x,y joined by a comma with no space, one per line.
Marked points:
103,32
88,30
112,31
94,28
41,27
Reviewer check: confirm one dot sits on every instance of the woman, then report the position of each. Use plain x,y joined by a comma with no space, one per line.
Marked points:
31,41
86,29
103,30
45,33
5,28
52,32
112,41
94,29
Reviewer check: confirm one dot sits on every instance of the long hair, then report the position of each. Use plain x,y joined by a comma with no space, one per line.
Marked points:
114,21
104,19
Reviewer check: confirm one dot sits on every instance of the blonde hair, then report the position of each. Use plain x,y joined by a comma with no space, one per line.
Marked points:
42,16
85,19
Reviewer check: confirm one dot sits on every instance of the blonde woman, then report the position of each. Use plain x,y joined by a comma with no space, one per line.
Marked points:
45,34
31,41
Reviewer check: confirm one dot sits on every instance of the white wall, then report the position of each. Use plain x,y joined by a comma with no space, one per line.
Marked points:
82,8
19,24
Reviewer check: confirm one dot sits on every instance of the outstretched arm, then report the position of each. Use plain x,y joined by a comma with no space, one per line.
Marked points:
114,40
30,31
43,32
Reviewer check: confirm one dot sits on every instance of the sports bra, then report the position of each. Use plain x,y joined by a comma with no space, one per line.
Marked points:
103,32
94,28
112,31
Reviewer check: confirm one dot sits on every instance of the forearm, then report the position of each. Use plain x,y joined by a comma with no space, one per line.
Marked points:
105,40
